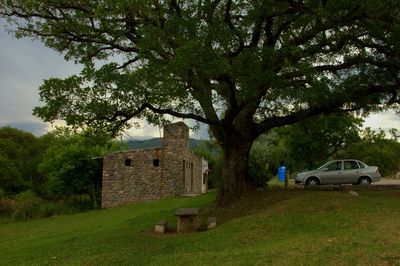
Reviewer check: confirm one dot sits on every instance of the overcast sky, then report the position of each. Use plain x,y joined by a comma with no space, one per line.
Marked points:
24,64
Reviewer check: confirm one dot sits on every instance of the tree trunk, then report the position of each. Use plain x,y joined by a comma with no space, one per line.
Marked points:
234,178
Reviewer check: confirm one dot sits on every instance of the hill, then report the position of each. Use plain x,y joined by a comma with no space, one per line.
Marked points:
156,142
266,228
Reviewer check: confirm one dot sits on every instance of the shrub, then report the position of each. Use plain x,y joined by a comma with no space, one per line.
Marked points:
7,206
2,193
257,174
80,202
27,204
49,208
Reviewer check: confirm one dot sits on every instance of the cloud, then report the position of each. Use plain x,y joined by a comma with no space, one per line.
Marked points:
384,120
147,131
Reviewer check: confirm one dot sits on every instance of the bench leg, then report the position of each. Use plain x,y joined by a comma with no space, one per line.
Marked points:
188,224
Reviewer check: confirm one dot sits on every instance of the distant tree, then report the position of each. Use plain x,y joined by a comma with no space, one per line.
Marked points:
211,151
313,141
242,67
72,166
19,155
374,148
307,144
267,151
10,176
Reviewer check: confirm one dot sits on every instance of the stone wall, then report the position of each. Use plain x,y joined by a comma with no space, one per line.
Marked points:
192,174
131,176
146,174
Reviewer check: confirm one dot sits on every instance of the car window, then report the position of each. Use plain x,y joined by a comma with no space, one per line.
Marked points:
335,166
350,165
361,165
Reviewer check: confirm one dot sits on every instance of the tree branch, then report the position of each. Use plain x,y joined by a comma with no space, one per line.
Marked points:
178,114
333,105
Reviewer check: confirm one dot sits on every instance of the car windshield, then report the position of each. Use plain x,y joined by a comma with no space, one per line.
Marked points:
323,166
362,165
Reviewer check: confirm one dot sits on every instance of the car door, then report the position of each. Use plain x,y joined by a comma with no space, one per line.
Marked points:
351,172
332,173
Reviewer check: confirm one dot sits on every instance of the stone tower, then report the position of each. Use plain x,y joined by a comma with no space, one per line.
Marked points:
176,136
175,145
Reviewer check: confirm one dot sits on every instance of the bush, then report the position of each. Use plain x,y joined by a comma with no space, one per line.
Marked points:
27,204
7,206
2,193
48,209
80,202
257,174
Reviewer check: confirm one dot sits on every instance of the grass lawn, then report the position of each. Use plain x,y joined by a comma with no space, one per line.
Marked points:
276,227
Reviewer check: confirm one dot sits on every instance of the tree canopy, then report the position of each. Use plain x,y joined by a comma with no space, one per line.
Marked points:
242,67
19,153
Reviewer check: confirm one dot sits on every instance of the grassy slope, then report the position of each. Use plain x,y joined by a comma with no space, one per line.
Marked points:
277,227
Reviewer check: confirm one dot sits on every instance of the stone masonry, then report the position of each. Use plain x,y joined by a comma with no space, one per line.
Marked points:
154,173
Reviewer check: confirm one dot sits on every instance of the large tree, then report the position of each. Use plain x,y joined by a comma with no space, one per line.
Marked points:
241,66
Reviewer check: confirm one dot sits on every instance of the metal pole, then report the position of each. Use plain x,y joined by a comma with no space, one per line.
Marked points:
287,179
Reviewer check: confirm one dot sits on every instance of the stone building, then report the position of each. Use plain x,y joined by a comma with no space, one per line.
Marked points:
154,173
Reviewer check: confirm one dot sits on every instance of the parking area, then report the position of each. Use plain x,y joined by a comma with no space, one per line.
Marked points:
387,182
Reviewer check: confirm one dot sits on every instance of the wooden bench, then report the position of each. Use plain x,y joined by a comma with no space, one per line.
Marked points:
188,219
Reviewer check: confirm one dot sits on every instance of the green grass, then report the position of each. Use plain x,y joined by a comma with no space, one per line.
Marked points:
276,227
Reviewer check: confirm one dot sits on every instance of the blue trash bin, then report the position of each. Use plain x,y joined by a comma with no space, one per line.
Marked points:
282,173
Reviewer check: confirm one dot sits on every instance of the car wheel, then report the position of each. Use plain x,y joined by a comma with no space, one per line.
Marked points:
364,181
312,182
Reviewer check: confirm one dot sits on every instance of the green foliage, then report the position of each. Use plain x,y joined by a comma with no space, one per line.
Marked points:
20,153
257,172
262,158
209,150
307,144
26,205
313,141
62,166
375,149
269,150
73,167
6,206
48,209
242,67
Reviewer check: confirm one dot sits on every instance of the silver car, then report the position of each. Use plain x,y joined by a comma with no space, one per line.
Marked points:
346,171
